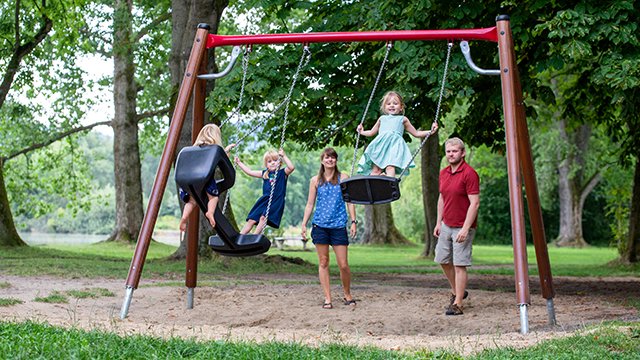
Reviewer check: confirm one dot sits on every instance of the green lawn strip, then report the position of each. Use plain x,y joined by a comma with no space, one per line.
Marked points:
30,340
607,341
10,301
112,260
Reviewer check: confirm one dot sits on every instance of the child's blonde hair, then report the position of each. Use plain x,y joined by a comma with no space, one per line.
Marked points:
388,95
269,155
209,135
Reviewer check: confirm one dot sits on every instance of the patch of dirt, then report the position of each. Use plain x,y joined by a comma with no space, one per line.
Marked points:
399,312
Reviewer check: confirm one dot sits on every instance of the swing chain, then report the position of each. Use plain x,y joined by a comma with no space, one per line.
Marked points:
268,116
435,120
366,109
304,61
245,66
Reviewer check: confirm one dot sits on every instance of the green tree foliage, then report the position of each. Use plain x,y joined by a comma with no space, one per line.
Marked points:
38,42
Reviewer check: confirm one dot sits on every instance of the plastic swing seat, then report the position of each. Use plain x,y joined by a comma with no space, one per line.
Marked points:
370,190
195,166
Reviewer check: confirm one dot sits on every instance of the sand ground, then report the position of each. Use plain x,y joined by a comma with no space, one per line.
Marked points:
400,312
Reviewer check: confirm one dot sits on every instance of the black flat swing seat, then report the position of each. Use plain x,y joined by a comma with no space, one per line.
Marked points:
195,167
370,190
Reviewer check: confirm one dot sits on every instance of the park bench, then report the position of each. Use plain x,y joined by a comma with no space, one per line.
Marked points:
280,240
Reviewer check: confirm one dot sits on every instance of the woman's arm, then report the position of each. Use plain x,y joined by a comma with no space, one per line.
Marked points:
353,228
372,132
311,201
246,169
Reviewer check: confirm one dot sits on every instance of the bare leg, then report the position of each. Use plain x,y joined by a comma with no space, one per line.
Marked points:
345,271
450,273
390,171
323,271
460,283
248,226
261,225
375,170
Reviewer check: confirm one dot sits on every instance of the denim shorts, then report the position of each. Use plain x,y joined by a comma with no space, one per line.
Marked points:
327,236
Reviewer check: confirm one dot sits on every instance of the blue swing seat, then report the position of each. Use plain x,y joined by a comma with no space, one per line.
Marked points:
195,167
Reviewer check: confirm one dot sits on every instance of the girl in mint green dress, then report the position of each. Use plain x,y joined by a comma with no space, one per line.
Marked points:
388,152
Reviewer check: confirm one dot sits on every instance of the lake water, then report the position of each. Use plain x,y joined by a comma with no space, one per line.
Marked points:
35,239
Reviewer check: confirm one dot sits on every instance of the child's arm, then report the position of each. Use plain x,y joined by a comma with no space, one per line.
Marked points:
290,167
229,147
311,201
372,132
419,133
246,169
211,208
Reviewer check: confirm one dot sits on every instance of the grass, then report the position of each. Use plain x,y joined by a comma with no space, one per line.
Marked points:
4,285
47,342
610,341
112,260
90,293
55,297
10,301
607,341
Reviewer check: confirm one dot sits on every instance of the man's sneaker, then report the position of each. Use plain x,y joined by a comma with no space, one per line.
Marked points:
454,310
452,298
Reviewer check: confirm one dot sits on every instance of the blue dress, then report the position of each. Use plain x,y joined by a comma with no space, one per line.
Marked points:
388,148
277,202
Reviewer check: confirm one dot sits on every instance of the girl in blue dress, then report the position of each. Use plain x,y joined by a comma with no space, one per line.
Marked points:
330,224
388,152
271,176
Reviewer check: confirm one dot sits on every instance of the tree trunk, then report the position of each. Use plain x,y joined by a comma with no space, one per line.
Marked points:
186,15
572,194
430,164
126,154
379,227
8,234
631,250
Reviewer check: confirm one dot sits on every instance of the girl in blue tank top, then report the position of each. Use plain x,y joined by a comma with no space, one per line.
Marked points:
330,224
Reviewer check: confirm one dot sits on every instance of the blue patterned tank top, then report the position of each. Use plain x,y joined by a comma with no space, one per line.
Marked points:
330,208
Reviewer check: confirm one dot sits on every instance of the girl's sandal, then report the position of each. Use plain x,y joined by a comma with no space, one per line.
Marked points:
327,305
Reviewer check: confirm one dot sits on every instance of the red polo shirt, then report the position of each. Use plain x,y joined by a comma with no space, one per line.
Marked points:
455,188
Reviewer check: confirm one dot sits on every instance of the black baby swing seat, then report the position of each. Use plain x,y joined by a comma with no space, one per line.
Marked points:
195,166
370,190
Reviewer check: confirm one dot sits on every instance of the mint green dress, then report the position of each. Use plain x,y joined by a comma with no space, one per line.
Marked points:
388,148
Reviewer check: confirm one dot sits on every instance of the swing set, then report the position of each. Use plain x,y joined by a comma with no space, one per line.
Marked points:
196,165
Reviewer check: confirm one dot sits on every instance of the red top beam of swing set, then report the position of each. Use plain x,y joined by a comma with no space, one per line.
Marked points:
487,34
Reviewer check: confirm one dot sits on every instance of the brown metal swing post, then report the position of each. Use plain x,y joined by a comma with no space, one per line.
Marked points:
199,97
533,204
160,183
519,157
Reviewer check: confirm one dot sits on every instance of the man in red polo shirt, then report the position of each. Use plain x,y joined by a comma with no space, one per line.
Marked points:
456,224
